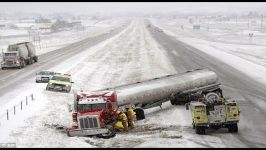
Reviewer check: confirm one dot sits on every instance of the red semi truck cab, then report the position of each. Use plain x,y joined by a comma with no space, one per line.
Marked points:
92,112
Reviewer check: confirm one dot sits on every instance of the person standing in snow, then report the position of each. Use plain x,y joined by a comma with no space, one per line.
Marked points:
131,115
123,118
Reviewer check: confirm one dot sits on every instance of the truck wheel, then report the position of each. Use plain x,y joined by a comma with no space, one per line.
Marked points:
111,133
23,64
200,130
232,128
139,114
215,127
30,61
68,134
36,59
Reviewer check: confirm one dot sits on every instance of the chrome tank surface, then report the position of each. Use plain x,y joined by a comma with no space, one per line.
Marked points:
161,88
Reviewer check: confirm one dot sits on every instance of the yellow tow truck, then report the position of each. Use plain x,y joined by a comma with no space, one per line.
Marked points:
213,111
60,82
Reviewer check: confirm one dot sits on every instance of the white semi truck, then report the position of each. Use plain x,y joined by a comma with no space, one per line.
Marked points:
19,55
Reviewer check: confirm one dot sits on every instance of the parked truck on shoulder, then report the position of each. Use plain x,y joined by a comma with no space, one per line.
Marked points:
19,55
213,111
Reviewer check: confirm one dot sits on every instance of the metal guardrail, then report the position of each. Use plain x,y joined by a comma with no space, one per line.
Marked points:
18,107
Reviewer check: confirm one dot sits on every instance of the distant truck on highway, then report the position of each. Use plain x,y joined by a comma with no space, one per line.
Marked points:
19,55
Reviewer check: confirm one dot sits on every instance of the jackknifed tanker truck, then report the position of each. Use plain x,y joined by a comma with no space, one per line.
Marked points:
91,110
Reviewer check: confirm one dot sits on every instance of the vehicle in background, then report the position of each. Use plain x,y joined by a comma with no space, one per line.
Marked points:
44,76
213,111
19,55
60,82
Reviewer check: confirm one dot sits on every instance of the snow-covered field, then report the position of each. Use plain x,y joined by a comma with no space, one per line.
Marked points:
225,41
50,42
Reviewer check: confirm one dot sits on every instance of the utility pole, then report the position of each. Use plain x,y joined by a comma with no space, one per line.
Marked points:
248,21
236,20
261,22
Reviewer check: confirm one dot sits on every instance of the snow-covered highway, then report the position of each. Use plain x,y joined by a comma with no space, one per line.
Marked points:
128,54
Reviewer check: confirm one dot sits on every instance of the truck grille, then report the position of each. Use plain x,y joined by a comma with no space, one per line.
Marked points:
9,62
89,122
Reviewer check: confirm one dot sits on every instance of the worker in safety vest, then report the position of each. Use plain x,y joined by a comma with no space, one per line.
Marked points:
118,115
123,118
131,116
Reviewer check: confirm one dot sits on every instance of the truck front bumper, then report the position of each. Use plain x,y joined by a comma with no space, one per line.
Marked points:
9,65
86,132
59,88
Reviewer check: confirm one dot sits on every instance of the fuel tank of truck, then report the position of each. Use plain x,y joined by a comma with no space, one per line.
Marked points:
160,89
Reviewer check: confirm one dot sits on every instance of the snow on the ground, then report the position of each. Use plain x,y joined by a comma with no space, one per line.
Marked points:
248,57
53,41
100,66
132,55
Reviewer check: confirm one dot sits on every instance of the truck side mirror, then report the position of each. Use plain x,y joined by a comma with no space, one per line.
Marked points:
69,107
187,107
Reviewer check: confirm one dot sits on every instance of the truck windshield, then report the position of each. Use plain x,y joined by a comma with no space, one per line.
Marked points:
83,107
10,54
200,109
61,78
45,73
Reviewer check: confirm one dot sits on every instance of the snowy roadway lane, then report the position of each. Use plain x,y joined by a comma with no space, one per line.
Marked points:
237,85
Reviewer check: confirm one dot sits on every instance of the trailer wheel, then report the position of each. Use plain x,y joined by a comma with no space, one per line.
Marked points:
180,99
173,101
111,133
139,114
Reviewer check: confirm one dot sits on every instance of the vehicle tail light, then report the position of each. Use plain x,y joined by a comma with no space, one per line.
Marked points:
74,116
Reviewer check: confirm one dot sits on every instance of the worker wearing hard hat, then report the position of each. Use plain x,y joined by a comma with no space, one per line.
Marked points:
118,115
131,115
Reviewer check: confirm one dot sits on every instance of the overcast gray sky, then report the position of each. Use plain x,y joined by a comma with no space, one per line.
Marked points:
87,7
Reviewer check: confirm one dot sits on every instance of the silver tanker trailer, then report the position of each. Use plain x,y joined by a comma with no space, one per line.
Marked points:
178,88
